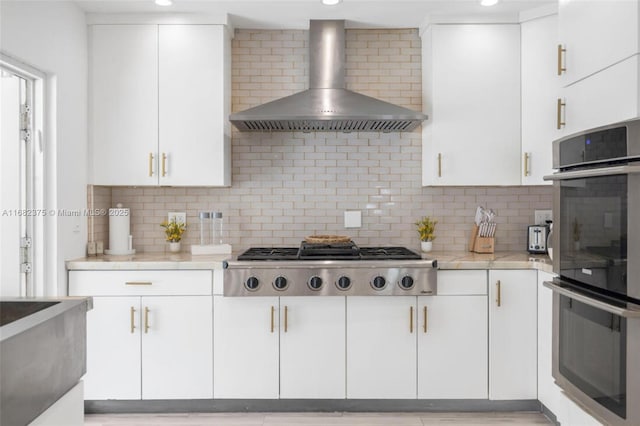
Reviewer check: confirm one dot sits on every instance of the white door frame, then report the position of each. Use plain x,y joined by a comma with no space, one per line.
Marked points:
41,173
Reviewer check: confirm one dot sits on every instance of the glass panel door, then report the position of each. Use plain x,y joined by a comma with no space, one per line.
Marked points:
593,227
592,353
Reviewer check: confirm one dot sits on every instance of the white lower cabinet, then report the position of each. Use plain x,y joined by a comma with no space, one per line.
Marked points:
177,347
149,334
452,338
246,340
512,334
312,347
381,347
113,349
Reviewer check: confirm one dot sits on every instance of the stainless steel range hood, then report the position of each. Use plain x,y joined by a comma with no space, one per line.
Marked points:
327,106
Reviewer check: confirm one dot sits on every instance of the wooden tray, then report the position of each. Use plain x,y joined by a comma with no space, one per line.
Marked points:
327,239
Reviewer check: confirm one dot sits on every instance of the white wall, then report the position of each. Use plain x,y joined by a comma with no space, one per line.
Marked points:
51,36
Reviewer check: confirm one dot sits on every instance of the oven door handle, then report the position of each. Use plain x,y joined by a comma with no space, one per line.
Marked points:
605,171
616,310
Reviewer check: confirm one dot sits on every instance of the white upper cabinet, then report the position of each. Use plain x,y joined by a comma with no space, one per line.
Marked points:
539,90
471,92
124,104
160,98
595,35
601,72
194,64
606,97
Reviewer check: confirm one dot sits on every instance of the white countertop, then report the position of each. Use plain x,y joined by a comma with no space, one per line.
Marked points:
499,260
149,261
446,260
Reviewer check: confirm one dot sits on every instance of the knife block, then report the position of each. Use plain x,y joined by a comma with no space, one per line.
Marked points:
478,244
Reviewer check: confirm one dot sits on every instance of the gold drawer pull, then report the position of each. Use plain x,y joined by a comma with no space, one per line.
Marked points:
559,108
273,310
426,319
286,318
133,325
164,164
146,320
150,164
439,164
138,283
499,298
561,51
527,157
410,319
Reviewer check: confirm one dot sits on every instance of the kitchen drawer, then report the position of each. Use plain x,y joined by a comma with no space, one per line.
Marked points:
140,283
458,283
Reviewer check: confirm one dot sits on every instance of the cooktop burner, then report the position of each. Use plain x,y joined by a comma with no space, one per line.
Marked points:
333,251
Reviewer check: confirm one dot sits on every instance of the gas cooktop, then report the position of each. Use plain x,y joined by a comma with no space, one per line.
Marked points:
336,269
333,251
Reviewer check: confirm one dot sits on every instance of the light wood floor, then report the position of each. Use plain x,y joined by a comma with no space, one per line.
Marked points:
316,419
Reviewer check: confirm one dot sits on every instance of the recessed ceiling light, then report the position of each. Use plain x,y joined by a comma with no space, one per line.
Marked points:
331,2
164,2
488,2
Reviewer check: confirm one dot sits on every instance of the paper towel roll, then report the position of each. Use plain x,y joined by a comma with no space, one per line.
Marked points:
119,231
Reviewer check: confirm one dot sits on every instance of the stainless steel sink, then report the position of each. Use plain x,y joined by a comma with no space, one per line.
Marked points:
42,354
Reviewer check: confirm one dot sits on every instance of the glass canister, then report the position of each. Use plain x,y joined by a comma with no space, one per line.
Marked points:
206,231
216,231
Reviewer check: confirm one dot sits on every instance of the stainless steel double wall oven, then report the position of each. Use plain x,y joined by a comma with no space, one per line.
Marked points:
596,257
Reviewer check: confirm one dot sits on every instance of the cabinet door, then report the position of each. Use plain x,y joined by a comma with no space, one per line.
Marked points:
177,347
607,97
113,349
472,95
539,90
192,105
381,347
452,347
245,356
312,346
124,104
512,334
596,34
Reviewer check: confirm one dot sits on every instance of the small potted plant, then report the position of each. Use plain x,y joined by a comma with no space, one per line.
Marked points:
173,233
426,229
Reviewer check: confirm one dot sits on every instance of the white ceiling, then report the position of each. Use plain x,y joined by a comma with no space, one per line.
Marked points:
295,14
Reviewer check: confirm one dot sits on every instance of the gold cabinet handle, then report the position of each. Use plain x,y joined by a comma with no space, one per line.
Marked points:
273,311
527,156
286,318
439,164
138,283
164,164
410,319
133,324
499,295
150,164
561,51
426,319
559,107
146,319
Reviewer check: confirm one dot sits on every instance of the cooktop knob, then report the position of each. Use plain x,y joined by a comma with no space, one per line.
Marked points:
378,283
406,282
315,283
252,284
343,283
280,283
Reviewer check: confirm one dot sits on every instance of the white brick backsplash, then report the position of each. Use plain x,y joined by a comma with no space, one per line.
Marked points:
286,186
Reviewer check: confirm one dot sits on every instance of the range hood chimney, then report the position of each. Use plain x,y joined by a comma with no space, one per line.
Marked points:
327,106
